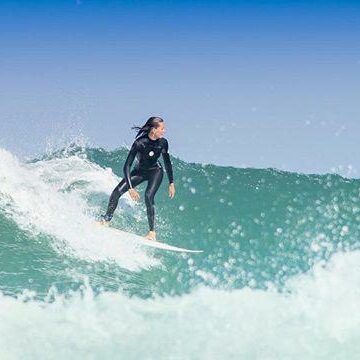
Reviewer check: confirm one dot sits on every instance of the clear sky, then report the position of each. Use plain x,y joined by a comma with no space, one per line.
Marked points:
242,83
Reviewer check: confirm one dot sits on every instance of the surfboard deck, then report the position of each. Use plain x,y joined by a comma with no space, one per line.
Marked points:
145,242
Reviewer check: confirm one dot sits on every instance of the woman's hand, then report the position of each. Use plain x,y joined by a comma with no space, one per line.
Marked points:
134,194
171,190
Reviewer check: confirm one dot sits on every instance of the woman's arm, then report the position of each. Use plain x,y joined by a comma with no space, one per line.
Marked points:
167,161
129,160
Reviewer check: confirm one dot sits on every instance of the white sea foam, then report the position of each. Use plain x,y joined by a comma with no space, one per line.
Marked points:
37,197
318,319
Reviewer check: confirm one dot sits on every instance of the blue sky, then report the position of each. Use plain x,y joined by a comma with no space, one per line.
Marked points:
242,83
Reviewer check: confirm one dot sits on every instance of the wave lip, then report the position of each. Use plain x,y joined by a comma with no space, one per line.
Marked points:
51,197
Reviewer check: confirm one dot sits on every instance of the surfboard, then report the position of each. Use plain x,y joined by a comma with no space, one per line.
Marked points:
145,242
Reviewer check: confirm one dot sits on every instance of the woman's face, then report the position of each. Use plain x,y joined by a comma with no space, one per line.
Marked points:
159,131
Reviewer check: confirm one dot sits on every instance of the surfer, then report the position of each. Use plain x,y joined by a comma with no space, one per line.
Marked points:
149,144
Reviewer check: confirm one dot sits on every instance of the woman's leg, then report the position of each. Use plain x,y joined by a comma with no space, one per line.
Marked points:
154,180
120,190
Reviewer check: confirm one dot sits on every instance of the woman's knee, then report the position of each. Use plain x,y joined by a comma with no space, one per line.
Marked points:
120,190
149,197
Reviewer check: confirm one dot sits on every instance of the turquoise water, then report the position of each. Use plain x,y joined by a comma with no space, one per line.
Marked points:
278,279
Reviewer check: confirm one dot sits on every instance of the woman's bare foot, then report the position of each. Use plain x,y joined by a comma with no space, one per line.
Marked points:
103,222
151,235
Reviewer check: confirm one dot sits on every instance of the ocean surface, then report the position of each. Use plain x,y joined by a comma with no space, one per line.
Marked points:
279,277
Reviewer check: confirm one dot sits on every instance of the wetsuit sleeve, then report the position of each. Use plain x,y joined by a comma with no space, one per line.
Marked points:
129,160
167,161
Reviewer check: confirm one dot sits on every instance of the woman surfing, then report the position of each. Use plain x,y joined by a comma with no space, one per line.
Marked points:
149,144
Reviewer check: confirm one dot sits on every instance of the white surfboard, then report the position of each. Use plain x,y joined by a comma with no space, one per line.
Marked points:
143,241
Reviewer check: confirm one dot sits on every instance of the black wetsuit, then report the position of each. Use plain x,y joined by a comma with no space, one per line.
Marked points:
148,168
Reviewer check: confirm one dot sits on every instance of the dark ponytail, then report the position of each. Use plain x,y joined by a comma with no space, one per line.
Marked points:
154,121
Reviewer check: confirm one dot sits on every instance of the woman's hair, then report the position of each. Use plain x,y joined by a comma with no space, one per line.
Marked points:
154,121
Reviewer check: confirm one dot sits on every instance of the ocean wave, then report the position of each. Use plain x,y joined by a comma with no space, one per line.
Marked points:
258,227
317,319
